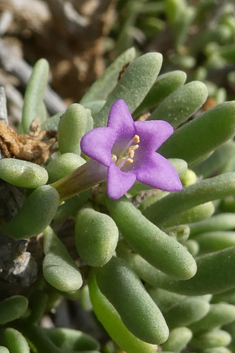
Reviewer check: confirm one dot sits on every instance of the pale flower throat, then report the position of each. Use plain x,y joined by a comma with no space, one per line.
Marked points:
127,154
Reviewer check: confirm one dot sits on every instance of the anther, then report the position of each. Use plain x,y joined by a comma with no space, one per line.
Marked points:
114,158
136,139
131,154
135,147
129,161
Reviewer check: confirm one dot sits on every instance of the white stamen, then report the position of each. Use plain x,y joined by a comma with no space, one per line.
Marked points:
127,154
120,162
114,158
125,150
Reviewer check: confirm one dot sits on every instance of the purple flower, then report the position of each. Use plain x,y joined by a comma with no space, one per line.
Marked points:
125,152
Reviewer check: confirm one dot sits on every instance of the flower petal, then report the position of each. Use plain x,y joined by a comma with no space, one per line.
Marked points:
153,133
120,118
97,144
157,172
118,183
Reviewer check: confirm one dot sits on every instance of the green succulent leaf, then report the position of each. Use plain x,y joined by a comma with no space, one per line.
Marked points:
124,290
113,324
15,341
96,237
161,89
133,86
106,82
72,127
22,173
35,215
178,339
162,251
33,100
181,104
59,269
12,308
199,137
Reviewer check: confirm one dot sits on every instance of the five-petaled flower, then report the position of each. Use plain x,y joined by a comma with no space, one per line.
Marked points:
127,150
121,153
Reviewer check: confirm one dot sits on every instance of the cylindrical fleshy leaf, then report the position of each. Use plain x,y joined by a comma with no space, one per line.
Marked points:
181,104
218,315
214,241
215,274
154,245
89,120
164,299
217,350
113,324
106,82
4,349
15,341
59,269
174,10
72,127
191,196
180,16
124,290
35,215
192,246
22,173
85,300
71,340
219,222
211,339
33,100
133,86
12,308
162,88
217,160
96,237
212,128
186,312
62,165
36,335
178,340
194,214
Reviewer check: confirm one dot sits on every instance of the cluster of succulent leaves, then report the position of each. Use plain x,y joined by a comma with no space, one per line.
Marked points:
195,36
157,268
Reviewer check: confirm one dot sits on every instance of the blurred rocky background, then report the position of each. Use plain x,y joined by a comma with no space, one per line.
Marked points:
80,39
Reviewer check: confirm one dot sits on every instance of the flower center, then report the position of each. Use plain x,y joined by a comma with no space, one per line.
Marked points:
126,156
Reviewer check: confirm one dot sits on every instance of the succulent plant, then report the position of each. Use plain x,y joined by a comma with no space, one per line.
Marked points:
149,193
